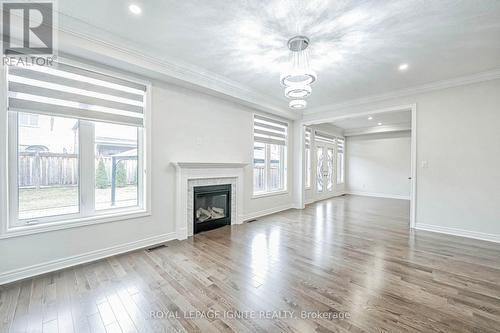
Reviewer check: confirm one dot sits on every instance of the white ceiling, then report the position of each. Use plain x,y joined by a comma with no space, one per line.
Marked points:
356,46
386,119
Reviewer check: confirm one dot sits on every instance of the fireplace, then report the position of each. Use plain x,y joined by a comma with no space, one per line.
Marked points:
212,207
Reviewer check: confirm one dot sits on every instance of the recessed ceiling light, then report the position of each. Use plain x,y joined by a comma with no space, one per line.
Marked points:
403,67
370,118
134,9
379,124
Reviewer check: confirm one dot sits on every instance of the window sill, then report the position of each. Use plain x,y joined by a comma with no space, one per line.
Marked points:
76,223
269,194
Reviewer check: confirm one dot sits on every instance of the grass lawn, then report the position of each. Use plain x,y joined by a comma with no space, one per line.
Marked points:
51,201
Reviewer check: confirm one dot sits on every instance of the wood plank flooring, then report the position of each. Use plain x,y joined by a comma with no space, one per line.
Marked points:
347,264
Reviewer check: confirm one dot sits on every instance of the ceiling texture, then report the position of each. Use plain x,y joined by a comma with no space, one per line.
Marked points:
356,46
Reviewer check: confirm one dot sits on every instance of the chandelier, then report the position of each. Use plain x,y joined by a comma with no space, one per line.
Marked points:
299,77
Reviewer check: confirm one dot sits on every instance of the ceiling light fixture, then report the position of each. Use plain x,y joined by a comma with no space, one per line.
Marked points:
135,9
403,67
298,91
379,124
297,104
370,118
297,79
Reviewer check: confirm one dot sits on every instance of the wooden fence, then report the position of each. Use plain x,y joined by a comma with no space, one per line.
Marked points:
42,169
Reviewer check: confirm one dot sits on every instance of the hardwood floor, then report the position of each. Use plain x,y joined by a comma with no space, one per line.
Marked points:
349,257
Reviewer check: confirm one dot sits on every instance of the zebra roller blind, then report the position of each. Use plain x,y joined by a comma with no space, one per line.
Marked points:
340,145
308,138
70,91
266,130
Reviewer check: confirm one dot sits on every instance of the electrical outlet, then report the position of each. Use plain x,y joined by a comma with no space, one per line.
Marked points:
425,164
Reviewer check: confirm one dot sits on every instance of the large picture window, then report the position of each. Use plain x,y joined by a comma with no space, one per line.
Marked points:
269,165
76,144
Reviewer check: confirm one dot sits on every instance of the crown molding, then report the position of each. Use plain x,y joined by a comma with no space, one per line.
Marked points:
438,85
98,50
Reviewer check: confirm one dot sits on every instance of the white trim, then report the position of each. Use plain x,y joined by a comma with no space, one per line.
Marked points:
265,212
438,85
309,201
79,259
4,173
269,194
334,195
413,166
208,165
379,195
459,232
76,223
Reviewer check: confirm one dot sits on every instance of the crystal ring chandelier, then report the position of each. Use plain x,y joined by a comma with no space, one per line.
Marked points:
299,77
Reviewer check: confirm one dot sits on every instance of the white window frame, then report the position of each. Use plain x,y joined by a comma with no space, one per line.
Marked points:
87,215
283,171
267,171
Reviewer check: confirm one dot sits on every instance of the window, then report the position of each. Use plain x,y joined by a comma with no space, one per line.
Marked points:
26,119
340,160
116,148
48,168
78,151
270,141
307,165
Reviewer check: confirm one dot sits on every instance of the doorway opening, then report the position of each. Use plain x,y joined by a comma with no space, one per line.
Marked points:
372,153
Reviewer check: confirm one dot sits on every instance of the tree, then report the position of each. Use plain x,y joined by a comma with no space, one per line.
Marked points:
101,177
121,174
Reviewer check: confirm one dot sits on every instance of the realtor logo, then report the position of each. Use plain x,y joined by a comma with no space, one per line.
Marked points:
28,30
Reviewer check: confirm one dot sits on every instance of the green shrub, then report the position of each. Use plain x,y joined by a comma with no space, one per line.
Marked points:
121,175
101,177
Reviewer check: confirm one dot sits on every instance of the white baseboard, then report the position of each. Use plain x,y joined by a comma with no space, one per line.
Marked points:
309,201
459,232
379,195
334,194
265,212
54,265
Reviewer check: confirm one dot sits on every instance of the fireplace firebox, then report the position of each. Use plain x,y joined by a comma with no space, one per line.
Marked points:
212,207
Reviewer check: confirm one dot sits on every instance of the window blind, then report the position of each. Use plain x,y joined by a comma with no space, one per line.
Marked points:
70,91
266,130
340,145
322,137
308,138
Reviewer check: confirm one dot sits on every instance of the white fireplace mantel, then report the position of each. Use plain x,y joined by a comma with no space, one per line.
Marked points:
209,165
205,173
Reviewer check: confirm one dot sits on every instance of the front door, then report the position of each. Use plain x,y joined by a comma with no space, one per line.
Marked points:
324,170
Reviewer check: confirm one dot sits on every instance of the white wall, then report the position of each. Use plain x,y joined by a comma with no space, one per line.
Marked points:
379,164
186,126
458,136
